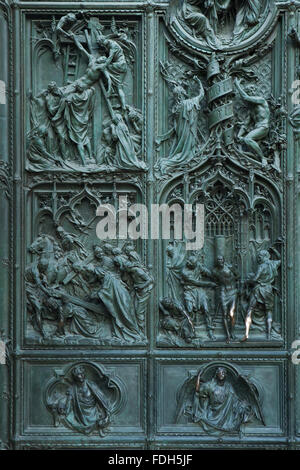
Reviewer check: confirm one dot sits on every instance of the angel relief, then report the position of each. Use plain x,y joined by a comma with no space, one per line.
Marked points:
218,108
64,131
220,399
217,22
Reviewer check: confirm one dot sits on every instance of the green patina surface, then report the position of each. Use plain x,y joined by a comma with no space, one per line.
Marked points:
145,344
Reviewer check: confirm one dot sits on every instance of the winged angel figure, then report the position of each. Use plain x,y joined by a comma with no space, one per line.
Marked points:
204,17
219,399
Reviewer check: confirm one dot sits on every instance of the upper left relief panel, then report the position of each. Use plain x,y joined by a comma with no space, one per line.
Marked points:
84,94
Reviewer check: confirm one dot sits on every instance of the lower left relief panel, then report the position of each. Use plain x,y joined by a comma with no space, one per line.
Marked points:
90,400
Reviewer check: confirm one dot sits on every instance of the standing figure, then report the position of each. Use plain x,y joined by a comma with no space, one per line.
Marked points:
185,130
78,115
143,284
226,278
55,107
194,295
105,151
38,109
116,67
247,16
262,294
259,118
135,119
175,261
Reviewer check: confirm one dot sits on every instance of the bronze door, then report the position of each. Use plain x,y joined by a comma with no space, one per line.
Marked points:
149,112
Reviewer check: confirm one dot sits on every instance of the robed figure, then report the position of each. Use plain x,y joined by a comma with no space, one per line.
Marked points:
205,17
220,399
125,154
86,407
184,131
78,115
84,399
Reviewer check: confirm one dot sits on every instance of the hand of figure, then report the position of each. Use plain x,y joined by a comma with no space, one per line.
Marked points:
211,284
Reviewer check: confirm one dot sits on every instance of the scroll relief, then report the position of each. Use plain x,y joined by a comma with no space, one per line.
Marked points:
220,108
222,144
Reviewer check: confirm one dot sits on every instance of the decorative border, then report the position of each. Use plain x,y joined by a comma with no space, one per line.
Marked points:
151,353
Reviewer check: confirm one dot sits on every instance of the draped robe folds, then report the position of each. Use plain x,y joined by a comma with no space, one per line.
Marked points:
142,292
78,113
39,112
246,14
87,408
196,296
174,268
247,11
117,300
219,408
118,65
82,322
208,23
36,153
199,23
263,291
125,153
185,129
56,108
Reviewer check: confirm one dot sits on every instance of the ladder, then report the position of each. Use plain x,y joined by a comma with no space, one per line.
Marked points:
71,64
